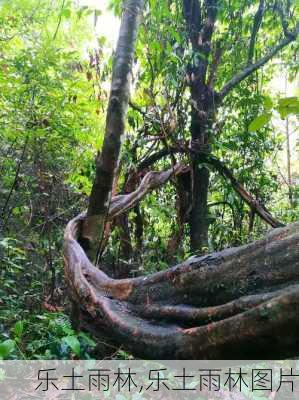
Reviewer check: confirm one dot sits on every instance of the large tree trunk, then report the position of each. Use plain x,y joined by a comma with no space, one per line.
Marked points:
200,27
199,217
238,303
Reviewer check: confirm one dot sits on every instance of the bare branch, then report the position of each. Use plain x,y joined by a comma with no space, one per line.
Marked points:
255,205
251,68
283,18
13,186
59,20
152,180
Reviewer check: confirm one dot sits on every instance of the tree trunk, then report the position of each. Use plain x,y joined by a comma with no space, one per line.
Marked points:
199,221
200,27
288,153
199,218
107,160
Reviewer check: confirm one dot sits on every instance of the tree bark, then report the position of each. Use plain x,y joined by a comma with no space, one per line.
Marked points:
108,157
200,32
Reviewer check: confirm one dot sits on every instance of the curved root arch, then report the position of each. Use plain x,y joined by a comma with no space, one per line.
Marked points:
238,303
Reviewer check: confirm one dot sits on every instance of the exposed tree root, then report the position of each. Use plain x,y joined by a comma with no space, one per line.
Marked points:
238,303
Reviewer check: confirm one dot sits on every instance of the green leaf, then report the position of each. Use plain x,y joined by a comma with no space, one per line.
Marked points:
66,12
73,343
6,347
87,339
102,40
18,329
287,106
259,122
81,11
268,103
288,101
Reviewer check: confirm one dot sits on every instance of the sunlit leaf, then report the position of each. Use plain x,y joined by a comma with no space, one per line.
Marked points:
259,122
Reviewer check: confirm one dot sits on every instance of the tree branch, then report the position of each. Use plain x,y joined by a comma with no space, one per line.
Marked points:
59,20
152,180
135,107
283,19
149,161
19,164
251,68
122,203
254,204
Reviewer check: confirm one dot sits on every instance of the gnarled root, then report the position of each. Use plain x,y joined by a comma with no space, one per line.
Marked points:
238,303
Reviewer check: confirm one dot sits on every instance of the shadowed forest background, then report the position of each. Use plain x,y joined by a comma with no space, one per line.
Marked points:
214,101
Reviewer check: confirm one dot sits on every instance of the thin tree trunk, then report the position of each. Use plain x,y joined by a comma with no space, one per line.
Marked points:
289,163
107,160
200,143
126,249
287,132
